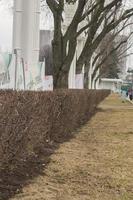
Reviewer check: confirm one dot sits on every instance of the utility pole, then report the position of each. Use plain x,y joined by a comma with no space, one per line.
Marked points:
130,71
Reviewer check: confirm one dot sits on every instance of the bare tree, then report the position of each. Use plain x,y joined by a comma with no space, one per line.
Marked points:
98,18
111,58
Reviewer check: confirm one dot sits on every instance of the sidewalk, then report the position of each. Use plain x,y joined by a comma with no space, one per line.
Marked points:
95,165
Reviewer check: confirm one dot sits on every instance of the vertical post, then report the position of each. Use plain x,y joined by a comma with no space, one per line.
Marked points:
17,26
16,68
23,67
26,30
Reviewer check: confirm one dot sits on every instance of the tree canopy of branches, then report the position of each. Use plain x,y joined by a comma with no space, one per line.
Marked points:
95,18
110,67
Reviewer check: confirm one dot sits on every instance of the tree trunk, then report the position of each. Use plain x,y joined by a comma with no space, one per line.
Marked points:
95,82
86,76
61,81
86,80
57,46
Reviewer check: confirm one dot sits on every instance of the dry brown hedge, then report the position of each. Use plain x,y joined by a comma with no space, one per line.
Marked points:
30,121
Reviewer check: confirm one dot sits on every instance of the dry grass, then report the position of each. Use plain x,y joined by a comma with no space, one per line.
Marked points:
95,165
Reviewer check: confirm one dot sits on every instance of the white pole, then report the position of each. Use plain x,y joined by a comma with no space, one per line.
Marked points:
17,26
26,30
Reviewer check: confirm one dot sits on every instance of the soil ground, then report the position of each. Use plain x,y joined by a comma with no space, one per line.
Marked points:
97,164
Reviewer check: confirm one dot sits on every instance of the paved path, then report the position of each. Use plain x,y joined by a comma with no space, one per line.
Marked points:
95,165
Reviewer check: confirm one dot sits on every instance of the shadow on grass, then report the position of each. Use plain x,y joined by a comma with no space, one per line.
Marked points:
12,181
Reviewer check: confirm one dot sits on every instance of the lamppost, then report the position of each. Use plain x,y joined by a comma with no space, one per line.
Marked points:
130,71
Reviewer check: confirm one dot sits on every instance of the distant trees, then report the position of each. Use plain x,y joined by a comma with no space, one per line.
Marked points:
111,57
110,68
95,18
106,61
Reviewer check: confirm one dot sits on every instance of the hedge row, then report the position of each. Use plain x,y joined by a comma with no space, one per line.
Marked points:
30,121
